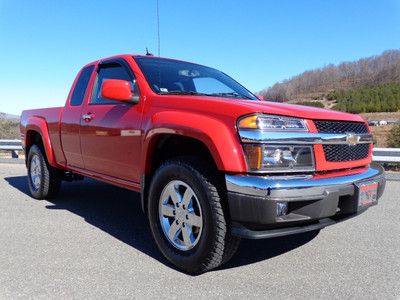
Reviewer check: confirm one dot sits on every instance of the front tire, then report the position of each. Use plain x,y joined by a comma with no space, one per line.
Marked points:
44,181
188,216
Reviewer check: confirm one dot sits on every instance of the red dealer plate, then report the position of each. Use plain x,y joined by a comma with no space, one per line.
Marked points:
367,194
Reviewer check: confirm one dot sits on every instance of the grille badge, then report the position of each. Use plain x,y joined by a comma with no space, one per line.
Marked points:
352,139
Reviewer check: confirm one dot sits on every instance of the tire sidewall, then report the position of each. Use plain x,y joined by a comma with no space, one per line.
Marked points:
36,193
188,260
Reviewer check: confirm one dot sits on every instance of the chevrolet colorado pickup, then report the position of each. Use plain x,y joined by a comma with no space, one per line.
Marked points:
213,163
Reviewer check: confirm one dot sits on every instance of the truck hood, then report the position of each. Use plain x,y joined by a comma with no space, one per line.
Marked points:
300,111
236,108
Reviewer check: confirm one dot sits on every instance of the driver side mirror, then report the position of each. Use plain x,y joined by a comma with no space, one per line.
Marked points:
260,97
118,90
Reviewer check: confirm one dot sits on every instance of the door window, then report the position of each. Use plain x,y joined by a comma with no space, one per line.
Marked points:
111,71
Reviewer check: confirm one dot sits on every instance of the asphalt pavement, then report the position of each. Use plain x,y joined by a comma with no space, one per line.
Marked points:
93,242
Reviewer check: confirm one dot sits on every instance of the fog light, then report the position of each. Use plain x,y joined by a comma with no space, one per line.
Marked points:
281,209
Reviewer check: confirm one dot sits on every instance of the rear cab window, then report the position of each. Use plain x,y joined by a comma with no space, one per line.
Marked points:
81,86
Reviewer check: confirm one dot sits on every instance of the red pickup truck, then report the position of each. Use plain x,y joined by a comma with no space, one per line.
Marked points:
213,163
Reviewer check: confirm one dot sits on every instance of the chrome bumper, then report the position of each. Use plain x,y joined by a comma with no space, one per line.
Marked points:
253,200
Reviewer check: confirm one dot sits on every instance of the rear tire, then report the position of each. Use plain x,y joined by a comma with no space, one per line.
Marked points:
209,243
44,181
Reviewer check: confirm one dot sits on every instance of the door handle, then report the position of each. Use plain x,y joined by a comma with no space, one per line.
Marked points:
88,117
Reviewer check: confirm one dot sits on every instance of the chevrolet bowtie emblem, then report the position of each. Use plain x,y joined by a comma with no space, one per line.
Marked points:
352,139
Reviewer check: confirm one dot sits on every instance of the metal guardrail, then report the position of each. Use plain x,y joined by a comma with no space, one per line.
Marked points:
386,155
383,155
11,145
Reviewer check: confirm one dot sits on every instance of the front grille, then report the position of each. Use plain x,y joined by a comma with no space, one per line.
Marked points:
341,153
337,153
340,127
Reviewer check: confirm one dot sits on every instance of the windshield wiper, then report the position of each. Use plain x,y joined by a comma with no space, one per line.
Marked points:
183,93
226,95
229,95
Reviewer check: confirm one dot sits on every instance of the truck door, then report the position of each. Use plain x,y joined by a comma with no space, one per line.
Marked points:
71,119
110,130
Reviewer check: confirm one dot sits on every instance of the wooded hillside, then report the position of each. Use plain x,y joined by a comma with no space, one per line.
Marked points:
375,98
333,80
9,128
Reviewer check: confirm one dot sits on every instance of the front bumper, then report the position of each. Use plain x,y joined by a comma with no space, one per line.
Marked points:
313,202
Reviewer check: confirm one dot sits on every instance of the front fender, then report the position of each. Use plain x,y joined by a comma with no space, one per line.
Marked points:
218,136
39,125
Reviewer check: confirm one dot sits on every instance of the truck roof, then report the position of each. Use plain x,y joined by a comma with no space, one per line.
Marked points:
133,55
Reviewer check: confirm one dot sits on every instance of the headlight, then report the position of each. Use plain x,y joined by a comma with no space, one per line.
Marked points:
279,158
272,123
263,157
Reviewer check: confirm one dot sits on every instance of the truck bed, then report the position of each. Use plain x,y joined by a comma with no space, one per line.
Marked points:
49,117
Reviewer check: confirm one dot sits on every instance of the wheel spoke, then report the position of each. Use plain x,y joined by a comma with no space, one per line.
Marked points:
167,210
173,231
35,180
187,197
194,220
33,164
186,236
173,194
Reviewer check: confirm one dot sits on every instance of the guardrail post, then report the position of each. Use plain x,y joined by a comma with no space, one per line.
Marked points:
14,154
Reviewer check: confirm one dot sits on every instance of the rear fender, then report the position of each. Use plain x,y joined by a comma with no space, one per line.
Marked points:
39,125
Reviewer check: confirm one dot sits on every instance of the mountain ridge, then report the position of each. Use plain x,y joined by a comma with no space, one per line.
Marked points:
7,116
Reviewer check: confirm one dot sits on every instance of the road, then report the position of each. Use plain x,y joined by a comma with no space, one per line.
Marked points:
93,242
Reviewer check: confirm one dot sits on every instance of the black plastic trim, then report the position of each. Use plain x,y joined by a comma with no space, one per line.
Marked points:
241,231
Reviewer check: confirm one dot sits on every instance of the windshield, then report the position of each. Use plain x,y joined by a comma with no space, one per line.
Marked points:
166,76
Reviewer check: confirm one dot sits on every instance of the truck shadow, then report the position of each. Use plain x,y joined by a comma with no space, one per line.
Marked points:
118,212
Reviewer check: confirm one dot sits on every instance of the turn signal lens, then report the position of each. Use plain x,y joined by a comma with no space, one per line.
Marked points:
248,122
272,123
254,156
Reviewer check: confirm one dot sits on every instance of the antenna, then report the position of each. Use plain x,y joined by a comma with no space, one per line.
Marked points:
148,53
158,28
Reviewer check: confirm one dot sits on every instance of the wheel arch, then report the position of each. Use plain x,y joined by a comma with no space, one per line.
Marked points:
213,139
37,133
163,147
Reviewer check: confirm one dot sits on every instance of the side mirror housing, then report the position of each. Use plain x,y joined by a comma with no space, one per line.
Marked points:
260,97
118,90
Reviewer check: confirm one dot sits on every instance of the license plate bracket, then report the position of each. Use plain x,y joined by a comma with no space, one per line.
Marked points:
367,193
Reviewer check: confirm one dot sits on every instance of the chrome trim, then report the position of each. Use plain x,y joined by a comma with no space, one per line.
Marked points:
303,138
87,117
283,170
290,186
